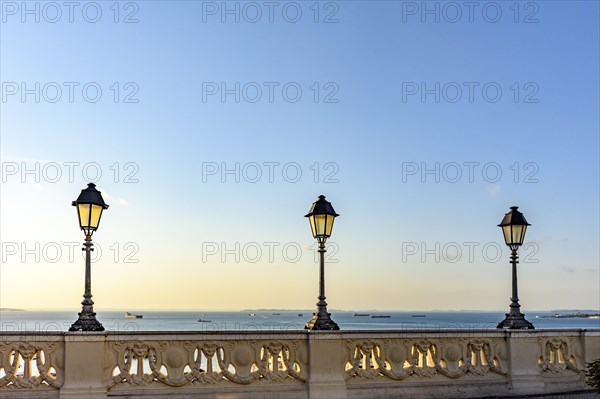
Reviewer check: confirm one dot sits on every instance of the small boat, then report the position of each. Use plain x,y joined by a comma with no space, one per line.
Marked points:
204,321
276,314
251,314
361,315
300,314
381,316
418,315
129,315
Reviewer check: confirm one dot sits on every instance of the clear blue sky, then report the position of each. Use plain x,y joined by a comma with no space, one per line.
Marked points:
374,132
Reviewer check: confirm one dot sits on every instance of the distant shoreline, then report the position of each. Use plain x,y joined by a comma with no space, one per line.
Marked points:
12,310
574,316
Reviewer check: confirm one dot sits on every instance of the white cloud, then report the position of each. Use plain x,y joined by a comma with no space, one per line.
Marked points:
493,190
106,195
114,200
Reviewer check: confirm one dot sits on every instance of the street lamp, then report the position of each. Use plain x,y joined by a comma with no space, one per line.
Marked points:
514,226
321,217
89,209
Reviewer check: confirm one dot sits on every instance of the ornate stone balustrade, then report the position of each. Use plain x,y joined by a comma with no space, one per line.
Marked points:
199,361
31,363
346,364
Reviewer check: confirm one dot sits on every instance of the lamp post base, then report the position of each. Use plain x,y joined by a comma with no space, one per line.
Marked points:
87,322
513,321
321,321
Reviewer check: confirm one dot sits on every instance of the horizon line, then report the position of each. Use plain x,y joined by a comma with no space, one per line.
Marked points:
10,309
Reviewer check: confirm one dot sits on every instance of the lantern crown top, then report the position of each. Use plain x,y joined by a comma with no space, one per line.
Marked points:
514,217
321,207
90,195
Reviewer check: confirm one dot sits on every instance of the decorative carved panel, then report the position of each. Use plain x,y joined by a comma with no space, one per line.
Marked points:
398,359
31,365
179,363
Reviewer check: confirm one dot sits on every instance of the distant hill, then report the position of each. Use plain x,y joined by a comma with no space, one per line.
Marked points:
11,310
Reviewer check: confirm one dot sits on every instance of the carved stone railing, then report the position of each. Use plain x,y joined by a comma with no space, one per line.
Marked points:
467,363
560,354
31,362
341,364
397,358
205,360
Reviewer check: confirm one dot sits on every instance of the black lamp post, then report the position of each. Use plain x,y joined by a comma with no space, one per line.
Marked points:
514,226
89,209
321,216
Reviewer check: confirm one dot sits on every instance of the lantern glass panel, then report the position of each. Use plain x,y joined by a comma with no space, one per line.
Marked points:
506,230
514,234
312,225
329,225
95,217
84,215
320,223
519,234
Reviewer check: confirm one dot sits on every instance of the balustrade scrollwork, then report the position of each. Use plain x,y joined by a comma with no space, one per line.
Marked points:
559,355
179,363
31,365
398,359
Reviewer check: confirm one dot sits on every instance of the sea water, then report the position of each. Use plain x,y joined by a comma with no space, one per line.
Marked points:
51,321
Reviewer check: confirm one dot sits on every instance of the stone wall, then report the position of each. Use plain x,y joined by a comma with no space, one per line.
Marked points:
342,364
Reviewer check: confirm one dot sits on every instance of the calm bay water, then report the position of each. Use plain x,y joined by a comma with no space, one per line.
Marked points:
48,321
